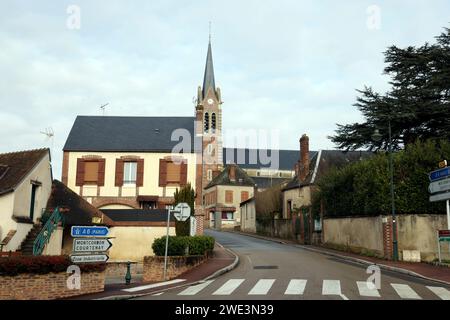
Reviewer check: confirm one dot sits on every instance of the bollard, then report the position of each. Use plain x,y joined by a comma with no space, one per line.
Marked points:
128,275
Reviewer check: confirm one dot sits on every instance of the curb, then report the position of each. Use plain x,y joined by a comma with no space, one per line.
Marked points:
212,276
347,258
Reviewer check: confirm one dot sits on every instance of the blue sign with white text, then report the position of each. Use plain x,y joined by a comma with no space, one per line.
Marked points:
439,174
87,231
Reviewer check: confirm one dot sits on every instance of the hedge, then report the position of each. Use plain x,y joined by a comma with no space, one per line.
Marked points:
181,245
363,188
12,266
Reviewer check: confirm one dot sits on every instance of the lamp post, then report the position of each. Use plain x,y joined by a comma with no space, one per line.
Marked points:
377,137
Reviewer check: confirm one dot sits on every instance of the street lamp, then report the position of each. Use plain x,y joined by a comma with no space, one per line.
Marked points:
377,137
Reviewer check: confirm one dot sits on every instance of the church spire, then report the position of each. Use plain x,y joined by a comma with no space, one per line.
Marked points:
208,79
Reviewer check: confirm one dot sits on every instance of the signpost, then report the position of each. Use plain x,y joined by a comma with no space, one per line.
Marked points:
439,174
89,231
443,236
182,212
89,258
439,185
91,245
193,227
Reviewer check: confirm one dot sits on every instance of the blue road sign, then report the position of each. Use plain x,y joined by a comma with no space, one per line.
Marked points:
87,231
439,174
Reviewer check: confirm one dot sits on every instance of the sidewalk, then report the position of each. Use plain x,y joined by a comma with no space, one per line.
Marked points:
222,261
421,270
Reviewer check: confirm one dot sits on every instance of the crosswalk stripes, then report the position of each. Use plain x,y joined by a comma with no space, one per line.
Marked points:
442,293
193,290
367,289
405,291
229,287
262,287
296,287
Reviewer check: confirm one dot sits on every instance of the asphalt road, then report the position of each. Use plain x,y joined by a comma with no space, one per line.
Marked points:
269,270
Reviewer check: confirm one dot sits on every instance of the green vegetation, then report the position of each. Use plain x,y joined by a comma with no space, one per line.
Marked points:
185,194
182,245
362,188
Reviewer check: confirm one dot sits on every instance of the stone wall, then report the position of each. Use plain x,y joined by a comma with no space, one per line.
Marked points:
154,266
48,286
119,269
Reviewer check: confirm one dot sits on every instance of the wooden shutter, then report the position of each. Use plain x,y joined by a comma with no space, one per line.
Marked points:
119,172
162,172
80,172
244,196
140,173
229,196
101,172
183,173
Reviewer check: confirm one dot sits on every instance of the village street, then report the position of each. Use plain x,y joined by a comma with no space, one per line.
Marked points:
270,270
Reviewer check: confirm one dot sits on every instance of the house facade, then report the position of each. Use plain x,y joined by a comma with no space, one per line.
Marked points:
25,185
248,215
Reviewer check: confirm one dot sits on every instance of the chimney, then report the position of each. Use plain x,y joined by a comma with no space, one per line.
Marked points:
232,173
304,157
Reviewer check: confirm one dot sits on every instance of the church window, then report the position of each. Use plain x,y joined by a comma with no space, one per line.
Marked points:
213,122
206,122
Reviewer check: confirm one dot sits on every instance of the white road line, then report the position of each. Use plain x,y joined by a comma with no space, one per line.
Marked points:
262,287
442,293
331,287
296,287
157,294
366,291
155,285
195,289
405,291
228,287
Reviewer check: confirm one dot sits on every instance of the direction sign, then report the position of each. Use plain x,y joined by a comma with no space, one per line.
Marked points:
91,245
440,197
439,186
89,231
89,258
439,174
182,211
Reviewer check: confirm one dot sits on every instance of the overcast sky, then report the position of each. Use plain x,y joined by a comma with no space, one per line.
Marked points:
291,66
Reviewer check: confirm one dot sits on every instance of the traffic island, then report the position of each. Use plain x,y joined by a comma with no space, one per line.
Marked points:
47,278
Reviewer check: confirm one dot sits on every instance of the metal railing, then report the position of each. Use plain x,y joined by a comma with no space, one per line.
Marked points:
44,236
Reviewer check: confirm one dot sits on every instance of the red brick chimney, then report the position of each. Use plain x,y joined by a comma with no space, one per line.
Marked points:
232,173
304,157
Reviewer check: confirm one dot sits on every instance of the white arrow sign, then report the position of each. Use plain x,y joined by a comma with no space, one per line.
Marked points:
440,197
182,211
89,258
439,186
91,245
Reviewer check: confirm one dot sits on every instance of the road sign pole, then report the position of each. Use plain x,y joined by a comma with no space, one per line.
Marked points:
167,244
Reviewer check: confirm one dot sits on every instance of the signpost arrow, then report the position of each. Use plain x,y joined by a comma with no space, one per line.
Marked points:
440,174
439,186
89,231
89,258
440,197
91,245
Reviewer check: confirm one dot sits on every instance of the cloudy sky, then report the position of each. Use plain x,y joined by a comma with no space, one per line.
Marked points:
287,66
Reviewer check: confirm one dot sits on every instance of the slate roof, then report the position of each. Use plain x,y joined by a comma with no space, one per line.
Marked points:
328,160
223,179
252,158
132,215
267,182
15,166
208,78
75,210
127,134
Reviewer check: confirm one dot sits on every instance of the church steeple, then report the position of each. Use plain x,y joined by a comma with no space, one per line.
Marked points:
208,79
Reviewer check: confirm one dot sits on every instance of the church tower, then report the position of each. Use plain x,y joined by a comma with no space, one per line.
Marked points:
208,113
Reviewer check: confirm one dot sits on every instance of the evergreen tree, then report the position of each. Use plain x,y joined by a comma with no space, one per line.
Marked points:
417,105
185,194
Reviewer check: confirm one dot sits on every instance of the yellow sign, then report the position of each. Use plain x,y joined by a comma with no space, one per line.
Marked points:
443,164
96,220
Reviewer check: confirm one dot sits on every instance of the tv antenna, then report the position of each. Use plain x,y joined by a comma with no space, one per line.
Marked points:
103,108
50,134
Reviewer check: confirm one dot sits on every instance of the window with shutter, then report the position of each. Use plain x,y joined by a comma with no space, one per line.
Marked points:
244,196
173,172
91,172
162,172
80,172
229,196
129,173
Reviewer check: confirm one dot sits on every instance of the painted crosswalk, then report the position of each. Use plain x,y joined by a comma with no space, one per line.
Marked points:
299,287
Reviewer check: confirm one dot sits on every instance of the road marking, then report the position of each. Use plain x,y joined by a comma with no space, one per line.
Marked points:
365,291
228,287
296,286
442,293
405,291
262,287
332,287
157,294
155,285
195,289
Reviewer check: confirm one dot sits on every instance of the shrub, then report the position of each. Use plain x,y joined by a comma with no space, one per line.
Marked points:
12,266
178,246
